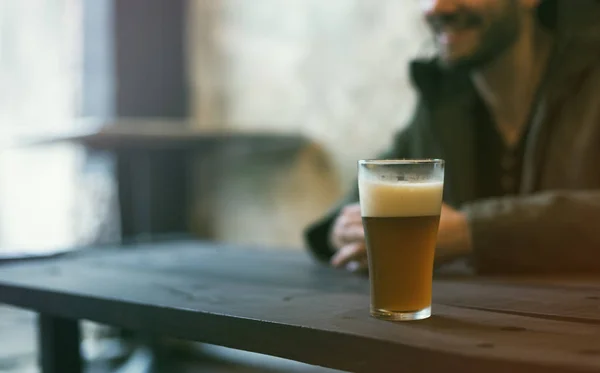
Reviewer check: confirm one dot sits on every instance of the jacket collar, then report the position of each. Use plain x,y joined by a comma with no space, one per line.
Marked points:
449,99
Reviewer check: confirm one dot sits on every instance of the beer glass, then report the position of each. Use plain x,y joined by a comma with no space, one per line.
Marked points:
400,203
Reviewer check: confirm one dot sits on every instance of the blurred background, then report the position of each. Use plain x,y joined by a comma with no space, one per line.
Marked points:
332,74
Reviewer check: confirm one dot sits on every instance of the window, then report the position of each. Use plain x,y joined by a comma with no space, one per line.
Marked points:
42,203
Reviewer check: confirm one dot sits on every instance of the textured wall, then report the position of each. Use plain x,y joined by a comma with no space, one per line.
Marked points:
334,71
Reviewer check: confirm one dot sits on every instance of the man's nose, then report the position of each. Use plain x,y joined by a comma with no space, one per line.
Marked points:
437,7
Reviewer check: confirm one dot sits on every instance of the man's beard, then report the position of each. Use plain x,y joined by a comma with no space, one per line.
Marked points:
497,38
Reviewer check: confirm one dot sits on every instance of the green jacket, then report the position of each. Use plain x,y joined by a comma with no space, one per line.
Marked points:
553,224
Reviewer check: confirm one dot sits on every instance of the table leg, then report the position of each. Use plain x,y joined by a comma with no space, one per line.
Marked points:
59,341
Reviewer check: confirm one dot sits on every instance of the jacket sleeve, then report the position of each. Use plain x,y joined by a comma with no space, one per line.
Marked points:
316,235
556,231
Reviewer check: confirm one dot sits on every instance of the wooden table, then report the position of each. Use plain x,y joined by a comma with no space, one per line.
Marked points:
283,304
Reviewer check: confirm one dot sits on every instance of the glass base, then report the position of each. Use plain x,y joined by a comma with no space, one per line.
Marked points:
401,316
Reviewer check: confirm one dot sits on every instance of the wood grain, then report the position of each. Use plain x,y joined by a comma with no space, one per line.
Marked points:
285,305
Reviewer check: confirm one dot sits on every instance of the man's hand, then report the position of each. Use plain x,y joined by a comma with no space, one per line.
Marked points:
454,236
348,238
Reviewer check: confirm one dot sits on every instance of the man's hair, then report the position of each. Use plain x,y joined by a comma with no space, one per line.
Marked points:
547,13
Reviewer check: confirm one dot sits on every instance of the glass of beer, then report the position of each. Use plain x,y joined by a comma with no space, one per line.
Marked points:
400,203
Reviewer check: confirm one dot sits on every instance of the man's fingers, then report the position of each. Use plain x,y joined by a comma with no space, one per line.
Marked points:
347,227
349,253
352,234
345,234
350,214
349,219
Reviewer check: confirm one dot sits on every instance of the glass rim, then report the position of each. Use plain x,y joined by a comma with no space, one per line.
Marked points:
400,161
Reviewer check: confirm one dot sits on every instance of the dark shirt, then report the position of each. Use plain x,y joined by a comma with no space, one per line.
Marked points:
498,167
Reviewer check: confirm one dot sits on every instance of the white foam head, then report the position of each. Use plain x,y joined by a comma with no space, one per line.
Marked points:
400,199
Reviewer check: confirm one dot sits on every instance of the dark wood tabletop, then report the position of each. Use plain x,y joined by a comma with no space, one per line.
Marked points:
282,303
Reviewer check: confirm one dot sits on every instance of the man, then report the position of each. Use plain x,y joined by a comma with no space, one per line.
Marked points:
514,109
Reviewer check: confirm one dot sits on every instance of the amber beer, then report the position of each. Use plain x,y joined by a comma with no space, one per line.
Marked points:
400,217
